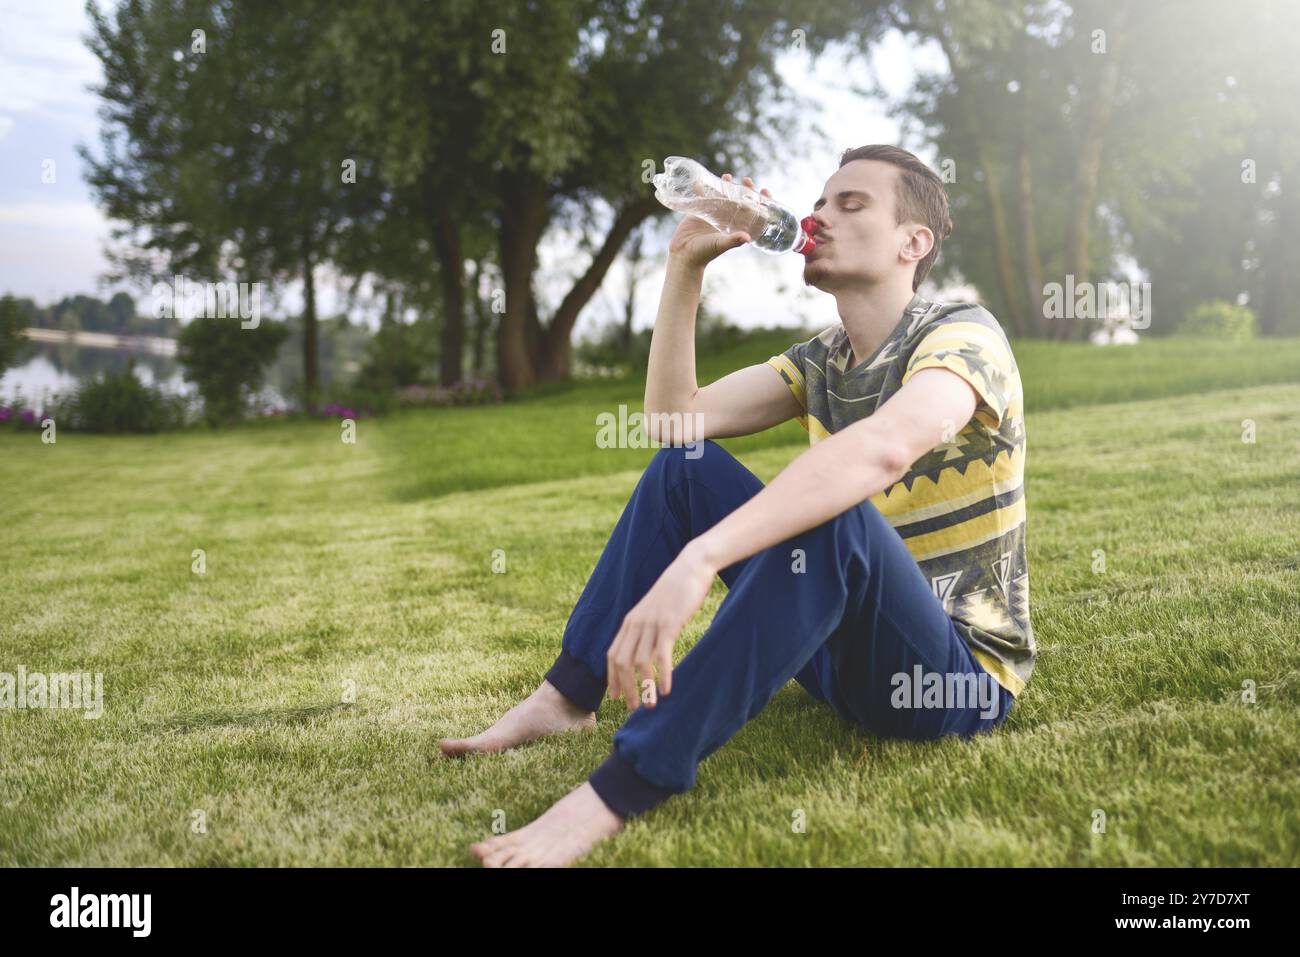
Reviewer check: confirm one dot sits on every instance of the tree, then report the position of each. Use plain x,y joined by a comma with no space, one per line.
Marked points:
1061,120
1219,223
222,150
535,118
227,363
13,338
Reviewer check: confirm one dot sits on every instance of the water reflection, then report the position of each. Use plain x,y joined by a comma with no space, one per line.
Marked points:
56,369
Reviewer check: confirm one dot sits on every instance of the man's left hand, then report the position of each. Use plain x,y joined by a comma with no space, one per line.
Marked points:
649,631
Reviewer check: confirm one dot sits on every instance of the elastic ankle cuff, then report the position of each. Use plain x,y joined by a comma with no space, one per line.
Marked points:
573,679
625,791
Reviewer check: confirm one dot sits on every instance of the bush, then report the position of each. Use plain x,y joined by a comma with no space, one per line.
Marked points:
119,403
13,341
228,363
603,354
397,355
1219,319
18,415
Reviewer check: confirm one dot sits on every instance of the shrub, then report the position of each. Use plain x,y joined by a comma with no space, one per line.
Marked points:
1219,319
397,355
13,341
228,363
119,402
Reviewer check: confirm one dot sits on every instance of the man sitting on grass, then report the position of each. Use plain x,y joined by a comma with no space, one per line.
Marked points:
884,569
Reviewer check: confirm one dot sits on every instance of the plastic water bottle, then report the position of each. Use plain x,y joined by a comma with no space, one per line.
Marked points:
688,187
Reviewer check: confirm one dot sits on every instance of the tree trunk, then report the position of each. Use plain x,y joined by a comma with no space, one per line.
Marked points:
480,322
1003,258
446,237
523,219
558,347
634,257
1078,223
1279,295
1033,266
1001,241
310,352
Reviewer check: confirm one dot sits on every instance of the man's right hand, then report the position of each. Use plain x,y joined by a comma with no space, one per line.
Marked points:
696,243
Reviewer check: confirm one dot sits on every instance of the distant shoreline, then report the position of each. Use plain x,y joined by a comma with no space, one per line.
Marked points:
154,345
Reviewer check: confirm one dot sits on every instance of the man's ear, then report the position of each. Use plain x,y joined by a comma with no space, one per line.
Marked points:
918,245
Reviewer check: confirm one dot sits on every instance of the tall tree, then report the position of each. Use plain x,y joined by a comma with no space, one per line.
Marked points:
1069,116
547,117
221,150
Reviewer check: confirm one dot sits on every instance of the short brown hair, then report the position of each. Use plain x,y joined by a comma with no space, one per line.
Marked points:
919,198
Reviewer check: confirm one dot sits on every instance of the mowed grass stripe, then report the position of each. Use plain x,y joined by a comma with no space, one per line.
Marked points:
223,692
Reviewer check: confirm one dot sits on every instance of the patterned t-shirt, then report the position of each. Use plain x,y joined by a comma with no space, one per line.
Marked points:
960,508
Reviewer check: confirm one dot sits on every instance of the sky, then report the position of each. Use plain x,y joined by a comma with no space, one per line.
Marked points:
52,235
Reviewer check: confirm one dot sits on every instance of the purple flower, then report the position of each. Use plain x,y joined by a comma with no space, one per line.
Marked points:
5,414
28,416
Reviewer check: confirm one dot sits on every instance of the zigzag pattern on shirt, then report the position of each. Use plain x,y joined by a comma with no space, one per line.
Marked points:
960,509
996,465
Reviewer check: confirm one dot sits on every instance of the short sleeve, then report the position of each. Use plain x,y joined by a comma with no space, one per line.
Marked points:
789,365
979,353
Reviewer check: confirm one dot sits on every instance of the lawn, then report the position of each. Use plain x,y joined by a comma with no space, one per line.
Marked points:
332,567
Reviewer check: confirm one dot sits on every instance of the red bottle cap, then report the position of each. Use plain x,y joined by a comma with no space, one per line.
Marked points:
809,244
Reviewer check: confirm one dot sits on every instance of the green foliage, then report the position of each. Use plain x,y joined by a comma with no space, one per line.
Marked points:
228,362
119,402
233,159
397,355
1081,134
1219,319
606,349
13,343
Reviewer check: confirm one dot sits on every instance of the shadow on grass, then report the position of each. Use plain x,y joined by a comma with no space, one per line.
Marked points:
248,719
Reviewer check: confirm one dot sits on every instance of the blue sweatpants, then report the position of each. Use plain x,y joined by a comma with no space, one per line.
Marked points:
850,617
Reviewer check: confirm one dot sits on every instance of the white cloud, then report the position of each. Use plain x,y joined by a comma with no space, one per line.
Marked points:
80,217
45,65
47,265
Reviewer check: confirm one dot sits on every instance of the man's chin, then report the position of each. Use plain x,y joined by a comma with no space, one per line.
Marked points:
812,276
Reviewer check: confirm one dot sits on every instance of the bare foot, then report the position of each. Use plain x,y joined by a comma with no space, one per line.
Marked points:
566,832
543,712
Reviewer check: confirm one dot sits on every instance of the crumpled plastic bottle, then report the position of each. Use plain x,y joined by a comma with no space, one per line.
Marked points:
688,187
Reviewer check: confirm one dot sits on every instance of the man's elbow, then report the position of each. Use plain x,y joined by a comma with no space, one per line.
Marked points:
674,428
893,459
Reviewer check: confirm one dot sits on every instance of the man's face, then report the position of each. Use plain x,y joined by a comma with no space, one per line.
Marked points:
858,241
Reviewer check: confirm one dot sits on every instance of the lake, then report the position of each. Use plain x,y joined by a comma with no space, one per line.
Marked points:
56,369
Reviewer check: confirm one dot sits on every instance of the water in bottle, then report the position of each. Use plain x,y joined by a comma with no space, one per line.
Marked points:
688,187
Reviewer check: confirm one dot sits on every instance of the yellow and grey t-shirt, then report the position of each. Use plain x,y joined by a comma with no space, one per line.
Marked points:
960,508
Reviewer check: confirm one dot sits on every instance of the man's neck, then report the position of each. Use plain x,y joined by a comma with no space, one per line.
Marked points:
870,314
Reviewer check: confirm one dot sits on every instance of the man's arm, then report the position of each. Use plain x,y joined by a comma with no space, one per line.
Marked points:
745,401
844,469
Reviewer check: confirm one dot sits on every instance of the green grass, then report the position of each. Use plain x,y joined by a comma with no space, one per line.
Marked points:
459,449
371,564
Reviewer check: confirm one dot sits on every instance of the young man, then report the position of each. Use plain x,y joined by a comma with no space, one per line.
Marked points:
884,569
